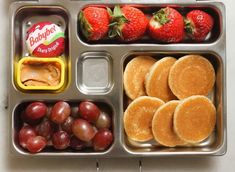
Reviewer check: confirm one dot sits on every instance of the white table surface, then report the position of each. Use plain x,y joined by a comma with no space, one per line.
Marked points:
11,163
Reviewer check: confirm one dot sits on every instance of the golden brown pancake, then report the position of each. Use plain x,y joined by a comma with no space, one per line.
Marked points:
134,75
194,119
191,75
138,118
162,125
156,82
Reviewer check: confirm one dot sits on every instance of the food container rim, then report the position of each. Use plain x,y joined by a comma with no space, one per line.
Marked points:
43,60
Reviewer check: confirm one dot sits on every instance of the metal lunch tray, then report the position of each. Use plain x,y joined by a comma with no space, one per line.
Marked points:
95,72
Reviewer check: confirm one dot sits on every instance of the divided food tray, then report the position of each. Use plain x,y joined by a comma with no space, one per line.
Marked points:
94,71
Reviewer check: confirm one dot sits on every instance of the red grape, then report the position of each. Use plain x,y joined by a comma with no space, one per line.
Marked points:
36,110
29,121
104,121
74,112
67,125
36,144
60,140
25,133
55,127
44,129
83,130
89,111
49,108
76,143
102,139
60,112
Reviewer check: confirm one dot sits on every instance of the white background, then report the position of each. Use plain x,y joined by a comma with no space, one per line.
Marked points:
11,163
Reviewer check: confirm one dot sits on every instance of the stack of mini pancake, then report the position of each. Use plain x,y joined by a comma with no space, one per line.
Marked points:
168,99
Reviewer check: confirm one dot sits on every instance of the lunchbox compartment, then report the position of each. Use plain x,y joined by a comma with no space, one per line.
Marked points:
94,73
209,146
17,124
149,9
24,18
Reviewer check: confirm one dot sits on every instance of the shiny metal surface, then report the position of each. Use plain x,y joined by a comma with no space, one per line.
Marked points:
113,56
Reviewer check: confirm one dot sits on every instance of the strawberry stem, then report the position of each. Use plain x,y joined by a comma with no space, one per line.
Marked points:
162,16
117,22
188,26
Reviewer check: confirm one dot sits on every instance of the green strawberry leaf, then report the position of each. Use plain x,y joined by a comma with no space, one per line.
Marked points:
162,16
112,33
117,12
117,22
109,11
113,24
119,32
188,26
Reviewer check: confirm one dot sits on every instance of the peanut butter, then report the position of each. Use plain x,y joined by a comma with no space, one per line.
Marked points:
40,74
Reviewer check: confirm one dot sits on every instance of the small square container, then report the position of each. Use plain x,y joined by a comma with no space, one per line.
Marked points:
94,73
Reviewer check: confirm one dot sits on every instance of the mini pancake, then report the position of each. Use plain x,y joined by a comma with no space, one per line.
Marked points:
191,75
156,82
194,119
138,118
162,125
134,75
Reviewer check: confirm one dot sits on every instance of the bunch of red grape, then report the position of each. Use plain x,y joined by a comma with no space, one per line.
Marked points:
63,126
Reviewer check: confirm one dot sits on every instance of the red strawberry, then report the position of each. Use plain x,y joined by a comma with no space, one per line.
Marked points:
198,24
94,22
167,25
128,23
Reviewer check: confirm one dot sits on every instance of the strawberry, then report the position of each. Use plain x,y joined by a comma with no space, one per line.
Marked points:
198,24
167,25
94,22
127,23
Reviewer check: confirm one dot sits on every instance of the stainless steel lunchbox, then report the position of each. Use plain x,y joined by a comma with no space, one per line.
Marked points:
86,81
